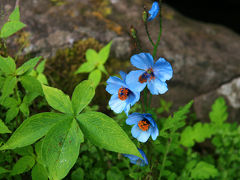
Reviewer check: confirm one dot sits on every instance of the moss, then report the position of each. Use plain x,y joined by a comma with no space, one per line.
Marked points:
60,69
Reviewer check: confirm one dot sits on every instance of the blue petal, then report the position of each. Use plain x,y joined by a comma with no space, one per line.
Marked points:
132,80
127,108
150,119
114,84
144,156
132,158
143,136
123,75
153,11
116,104
142,61
163,70
134,118
136,131
154,133
133,97
156,86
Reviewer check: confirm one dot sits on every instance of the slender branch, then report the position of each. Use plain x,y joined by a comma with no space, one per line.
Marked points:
160,30
165,158
145,99
148,34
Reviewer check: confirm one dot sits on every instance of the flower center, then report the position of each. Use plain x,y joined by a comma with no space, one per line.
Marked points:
147,75
144,124
123,93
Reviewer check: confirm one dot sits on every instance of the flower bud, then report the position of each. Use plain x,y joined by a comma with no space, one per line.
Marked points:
145,16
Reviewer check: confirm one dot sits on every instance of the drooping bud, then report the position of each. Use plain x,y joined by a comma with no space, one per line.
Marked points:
144,16
133,32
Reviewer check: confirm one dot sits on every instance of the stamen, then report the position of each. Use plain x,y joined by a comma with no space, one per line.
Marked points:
144,124
147,75
123,93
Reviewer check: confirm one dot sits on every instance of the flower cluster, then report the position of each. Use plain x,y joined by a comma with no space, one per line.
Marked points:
126,92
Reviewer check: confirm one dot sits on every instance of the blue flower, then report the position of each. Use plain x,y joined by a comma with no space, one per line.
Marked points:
154,75
136,159
153,11
123,97
144,126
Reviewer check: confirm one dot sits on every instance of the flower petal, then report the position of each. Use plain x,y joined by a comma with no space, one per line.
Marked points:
143,137
114,84
134,118
153,11
163,70
150,119
144,156
156,86
142,61
116,104
132,81
154,133
123,75
127,108
136,131
133,97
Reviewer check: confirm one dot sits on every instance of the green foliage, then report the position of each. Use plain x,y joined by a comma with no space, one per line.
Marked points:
13,26
24,164
95,60
204,170
3,128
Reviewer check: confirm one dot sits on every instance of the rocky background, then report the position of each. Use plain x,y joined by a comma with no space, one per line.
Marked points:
205,57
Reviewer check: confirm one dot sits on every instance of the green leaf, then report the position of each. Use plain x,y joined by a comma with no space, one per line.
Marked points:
41,66
3,128
115,174
177,120
25,151
78,174
204,170
11,114
24,164
92,56
38,150
82,96
11,28
95,77
219,114
24,109
9,102
86,67
57,99
2,170
15,15
102,68
199,132
29,65
33,129
104,132
8,88
7,65
39,172
60,148
104,53
42,79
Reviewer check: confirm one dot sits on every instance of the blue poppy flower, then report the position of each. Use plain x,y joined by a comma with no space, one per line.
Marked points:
144,126
154,75
153,11
137,160
123,97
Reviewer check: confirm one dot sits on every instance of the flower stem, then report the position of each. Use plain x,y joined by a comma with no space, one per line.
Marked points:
165,158
148,34
145,100
160,31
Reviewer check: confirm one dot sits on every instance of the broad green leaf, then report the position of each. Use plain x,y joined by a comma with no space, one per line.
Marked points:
33,129
24,109
24,164
2,170
102,68
204,170
29,65
60,148
8,88
219,114
104,53
57,99
3,128
39,172
92,56
29,97
25,151
7,65
11,114
78,174
42,79
95,77
38,150
86,67
9,102
104,132
15,15
41,66
82,96
11,28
